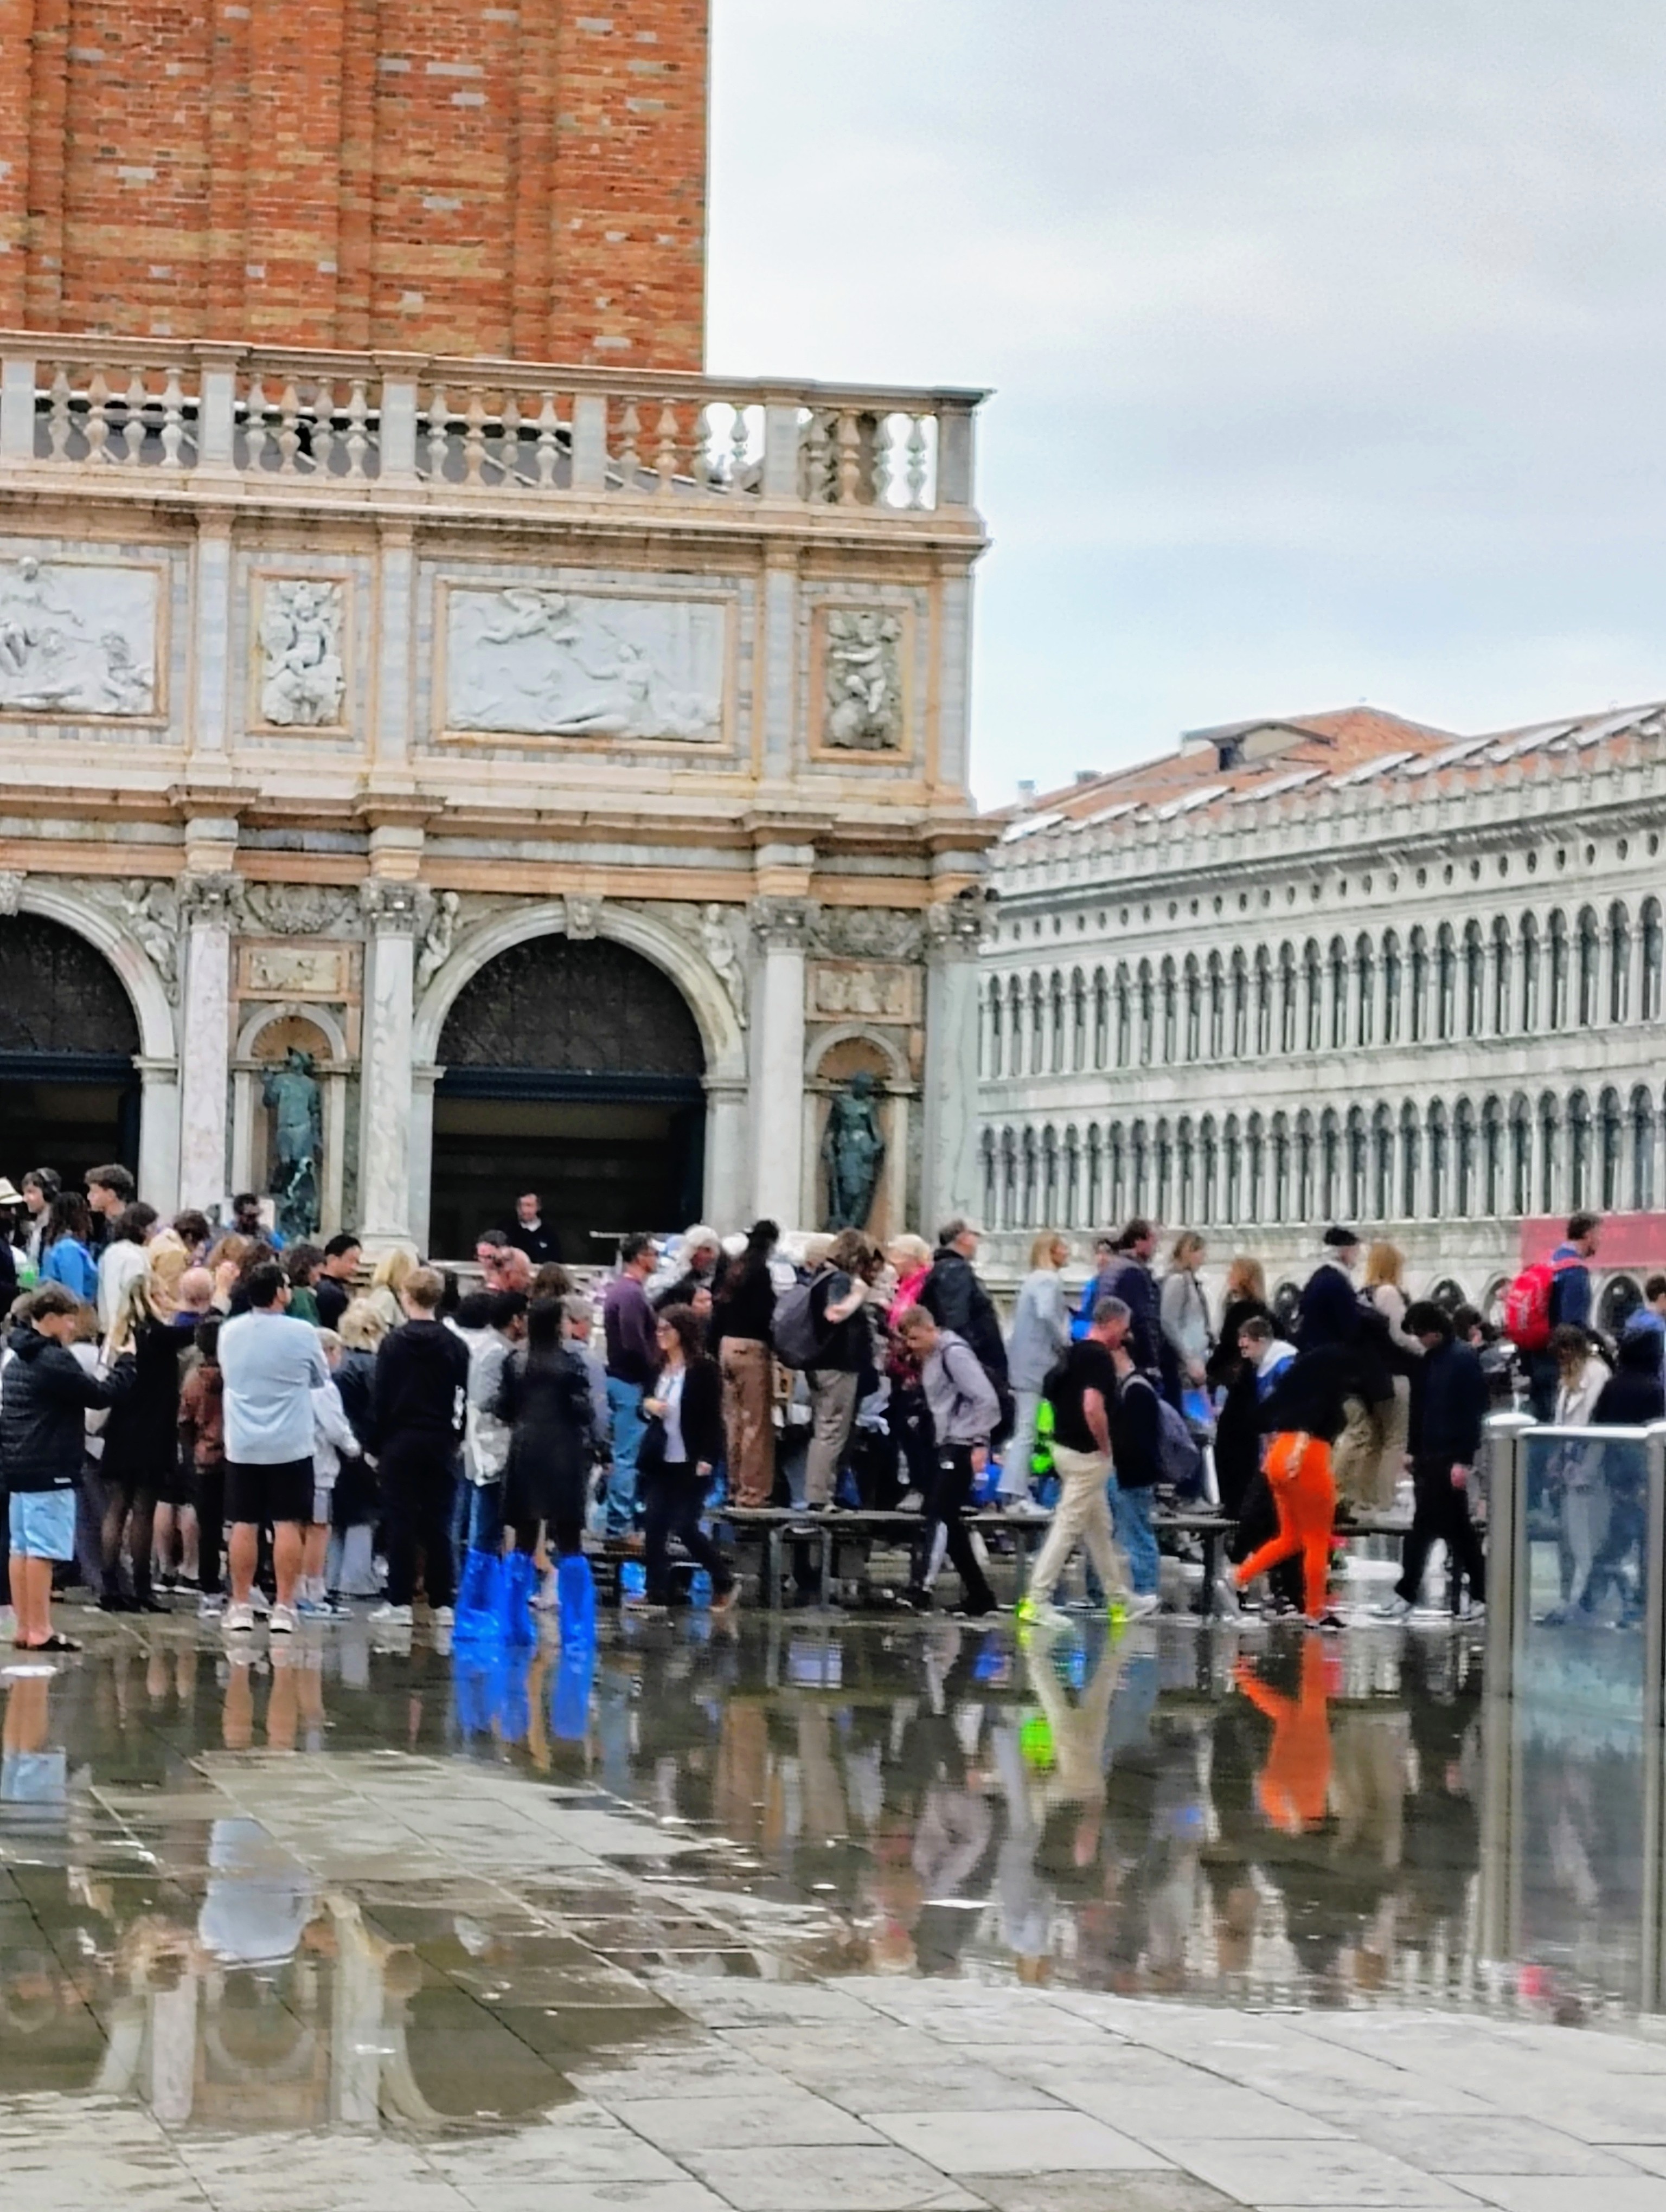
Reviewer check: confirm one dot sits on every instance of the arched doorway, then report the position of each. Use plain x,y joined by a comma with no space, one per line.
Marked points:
69,1089
573,1067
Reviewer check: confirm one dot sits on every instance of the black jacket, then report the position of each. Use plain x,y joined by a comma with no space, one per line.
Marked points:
141,1438
952,1295
421,1384
1308,1397
1330,1309
743,1304
549,1411
540,1245
333,1300
1132,1281
356,1385
44,1396
1136,1433
702,1413
1448,1406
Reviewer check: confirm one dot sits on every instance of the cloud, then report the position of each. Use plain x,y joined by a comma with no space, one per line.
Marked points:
1326,336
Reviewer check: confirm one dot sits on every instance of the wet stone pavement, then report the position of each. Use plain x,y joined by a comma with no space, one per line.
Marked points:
811,1916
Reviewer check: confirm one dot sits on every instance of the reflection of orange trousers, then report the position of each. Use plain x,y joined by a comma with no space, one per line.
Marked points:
1304,1493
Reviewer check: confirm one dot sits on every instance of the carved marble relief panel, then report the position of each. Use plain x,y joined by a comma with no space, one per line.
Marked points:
868,991
81,639
546,661
299,669
862,676
295,971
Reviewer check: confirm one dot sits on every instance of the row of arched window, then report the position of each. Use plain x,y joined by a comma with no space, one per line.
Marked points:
1520,978
1492,1158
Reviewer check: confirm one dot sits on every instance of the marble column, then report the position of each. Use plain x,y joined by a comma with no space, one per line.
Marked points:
206,903
949,1172
727,1194
780,927
392,910
159,1128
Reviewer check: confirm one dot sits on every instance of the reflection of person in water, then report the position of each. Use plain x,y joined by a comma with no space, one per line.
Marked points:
1294,1789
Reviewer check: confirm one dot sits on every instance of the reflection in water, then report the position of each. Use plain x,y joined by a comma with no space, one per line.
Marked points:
340,1885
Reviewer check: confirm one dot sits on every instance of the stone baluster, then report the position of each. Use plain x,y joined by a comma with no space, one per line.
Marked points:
207,910
630,458
474,439
919,464
393,910
288,428
60,415
174,419
439,424
134,402
255,433
322,397
548,442
851,458
98,416
357,442
949,1169
780,927
509,443
665,456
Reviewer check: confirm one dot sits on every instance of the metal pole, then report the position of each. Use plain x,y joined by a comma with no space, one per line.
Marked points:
1650,1996
1506,1544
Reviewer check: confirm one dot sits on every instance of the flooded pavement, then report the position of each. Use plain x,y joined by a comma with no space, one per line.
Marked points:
802,1911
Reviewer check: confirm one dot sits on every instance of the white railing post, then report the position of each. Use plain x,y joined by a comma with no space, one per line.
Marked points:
957,454
590,441
397,440
17,374
781,450
216,406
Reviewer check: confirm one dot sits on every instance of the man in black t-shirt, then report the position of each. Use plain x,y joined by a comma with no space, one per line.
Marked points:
1082,1390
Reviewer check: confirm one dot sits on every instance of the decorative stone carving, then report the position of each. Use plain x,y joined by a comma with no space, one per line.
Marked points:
438,938
863,680
849,990
212,898
77,638
583,915
149,912
717,937
392,908
292,971
293,909
782,923
302,680
955,927
11,890
868,933
561,663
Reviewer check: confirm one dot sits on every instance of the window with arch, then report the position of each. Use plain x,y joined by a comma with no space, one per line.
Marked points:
1464,1158
1240,1005
1381,1164
1521,1155
1037,1025
1232,1171
1531,978
1474,981
1313,978
1263,1002
1651,959
1439,1159
993,1049
1364,991
1417,1023
1185,1170
1055,1006
1208,1168
1579,1150
1550,1150
1492,1158
1304,1166
1358,1163
1620,962
1094,1189
991,1176
1330,1164
1072,1179
1138,1169
1009,1179
1556,1011
1015,1024
1339,996
1393,1017
1147,1005
1217,1007
1254,1170
1287,997
1163,1172
1281,1167
1500,978
1124,1018
1031,1164
1116,1172
1049,1175
1101,1018
1193,1046
1643,1150
1410,1142
1610,1150
1445,981
1077,1021
1171,1000
1591,970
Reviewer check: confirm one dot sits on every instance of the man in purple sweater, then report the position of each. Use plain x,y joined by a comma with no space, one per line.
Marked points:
633,1361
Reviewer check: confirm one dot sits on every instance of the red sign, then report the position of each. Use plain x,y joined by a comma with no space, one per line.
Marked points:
1625,1240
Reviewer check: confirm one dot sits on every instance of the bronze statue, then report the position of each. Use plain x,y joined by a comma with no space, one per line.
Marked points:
296,1099
852,1152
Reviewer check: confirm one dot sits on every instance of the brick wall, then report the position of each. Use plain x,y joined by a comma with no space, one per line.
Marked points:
526,179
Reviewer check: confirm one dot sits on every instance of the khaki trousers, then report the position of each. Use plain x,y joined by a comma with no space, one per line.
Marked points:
748,1421
833,1409
1082,1517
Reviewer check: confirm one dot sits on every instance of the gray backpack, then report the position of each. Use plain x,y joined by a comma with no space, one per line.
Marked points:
798,1342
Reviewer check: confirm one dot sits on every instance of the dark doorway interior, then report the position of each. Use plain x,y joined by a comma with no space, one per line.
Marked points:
69,1091
572,1068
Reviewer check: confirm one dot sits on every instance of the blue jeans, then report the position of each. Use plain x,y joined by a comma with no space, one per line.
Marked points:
482,1502
624,1403
1130,1511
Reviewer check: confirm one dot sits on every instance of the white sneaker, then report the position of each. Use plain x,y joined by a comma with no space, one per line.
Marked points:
390,1616
210,1605
1142,1604
442,1616
1024,1509
259,1604
284,1621
238,1619
1394,1608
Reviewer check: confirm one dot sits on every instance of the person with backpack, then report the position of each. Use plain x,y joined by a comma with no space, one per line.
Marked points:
964,1410
1551,1294
1082,1388
957,1300
822,1326
1138,1459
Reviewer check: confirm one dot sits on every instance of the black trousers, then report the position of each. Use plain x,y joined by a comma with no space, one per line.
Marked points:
944,1503
566,1535
212,1528
674,1496
1439,1509
418,1477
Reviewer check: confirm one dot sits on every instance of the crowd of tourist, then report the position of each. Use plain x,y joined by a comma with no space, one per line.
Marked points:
188,1408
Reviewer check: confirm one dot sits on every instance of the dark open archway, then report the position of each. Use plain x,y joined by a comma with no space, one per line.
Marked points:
573,1067
69,1035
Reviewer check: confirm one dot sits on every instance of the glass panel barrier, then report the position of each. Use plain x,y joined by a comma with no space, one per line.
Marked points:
1587,1577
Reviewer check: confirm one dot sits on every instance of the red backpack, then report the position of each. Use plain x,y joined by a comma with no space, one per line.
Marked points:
1527,1307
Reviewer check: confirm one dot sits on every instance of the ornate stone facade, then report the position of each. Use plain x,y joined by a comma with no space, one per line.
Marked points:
324,689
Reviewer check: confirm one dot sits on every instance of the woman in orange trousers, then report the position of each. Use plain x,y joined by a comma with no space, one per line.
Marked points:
1303,1490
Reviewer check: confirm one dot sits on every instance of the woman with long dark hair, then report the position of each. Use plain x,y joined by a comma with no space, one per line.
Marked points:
66,1247
545,1401
686,1408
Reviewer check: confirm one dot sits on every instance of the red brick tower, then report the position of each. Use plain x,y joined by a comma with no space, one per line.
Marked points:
528,179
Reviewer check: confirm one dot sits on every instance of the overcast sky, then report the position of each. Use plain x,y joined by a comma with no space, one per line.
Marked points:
1329,337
